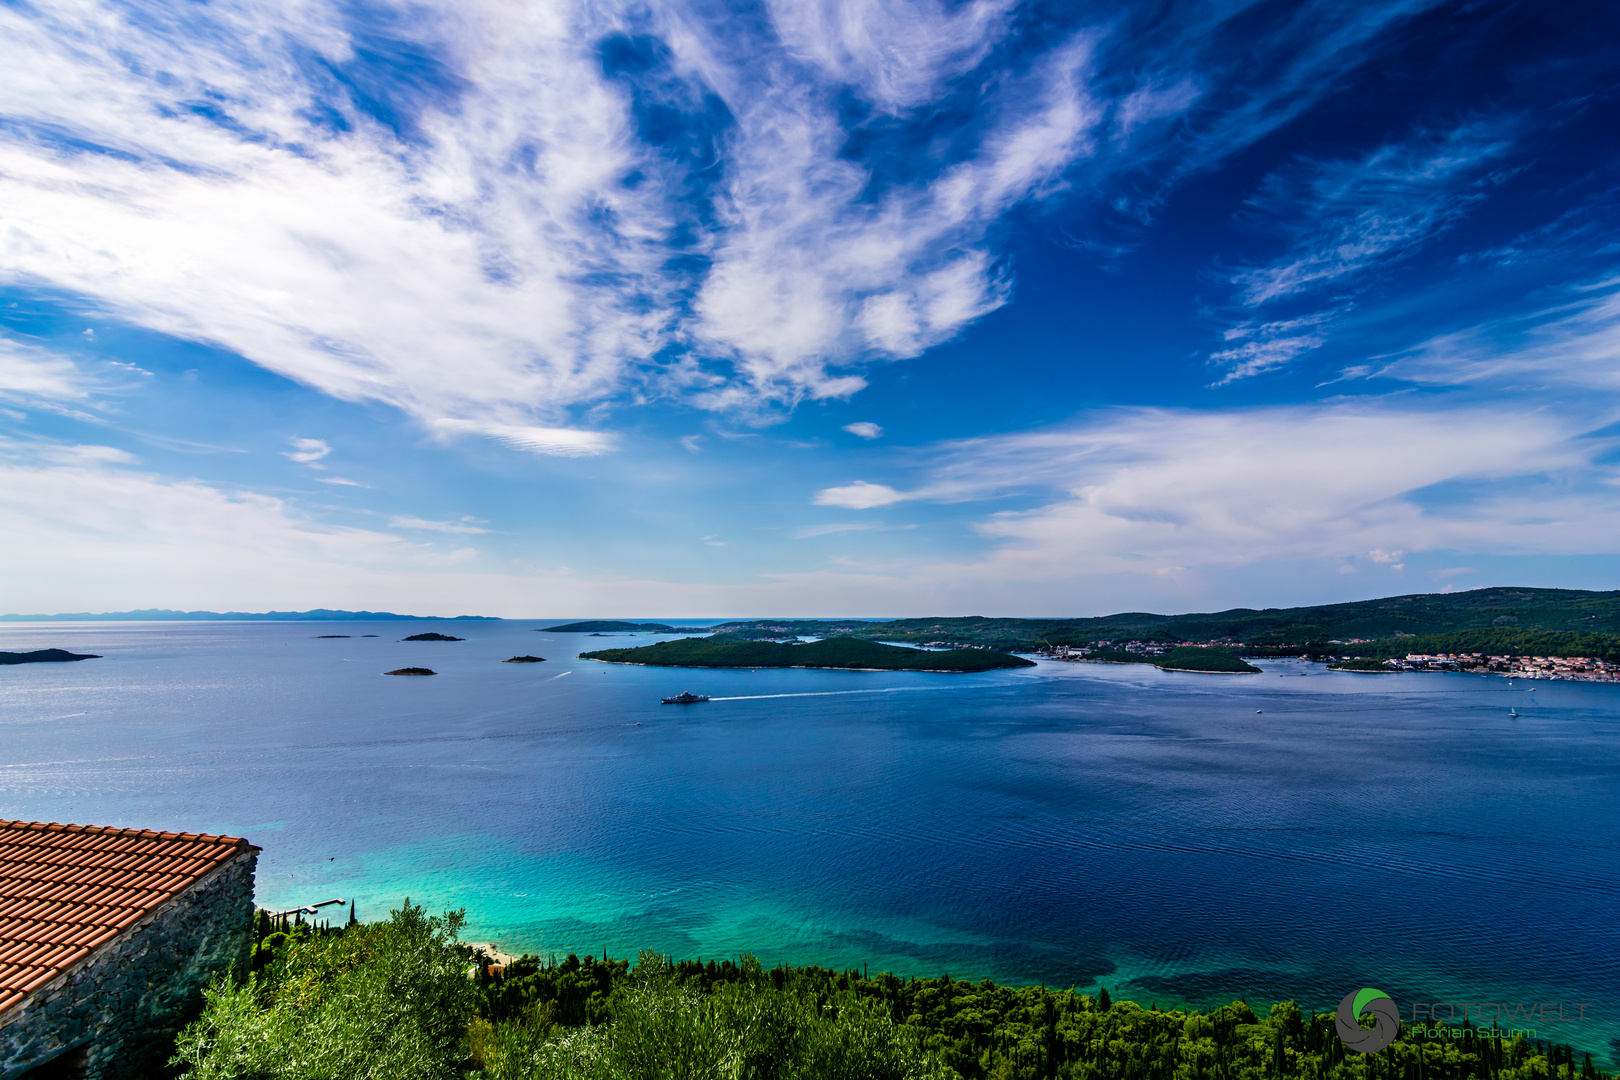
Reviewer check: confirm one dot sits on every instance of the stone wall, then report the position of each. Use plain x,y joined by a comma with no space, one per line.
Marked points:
114,1016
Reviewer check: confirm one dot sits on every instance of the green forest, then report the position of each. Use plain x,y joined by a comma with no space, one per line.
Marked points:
739,651
1218,660
1489,642
1564,610
403,1000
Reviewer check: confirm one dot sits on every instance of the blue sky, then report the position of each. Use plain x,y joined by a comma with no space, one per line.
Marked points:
869,307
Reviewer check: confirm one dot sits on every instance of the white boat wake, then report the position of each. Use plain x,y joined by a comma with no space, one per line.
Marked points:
821,693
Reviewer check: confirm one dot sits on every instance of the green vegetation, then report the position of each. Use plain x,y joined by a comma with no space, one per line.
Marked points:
402,1000
737,651
1360,664
1490,643
411,671
432,637
44,656
1222,661
1565,610
1210,659
524,660
601,626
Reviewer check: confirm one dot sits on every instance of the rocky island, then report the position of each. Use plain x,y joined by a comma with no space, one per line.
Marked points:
430,636
525,660
735,651
411,671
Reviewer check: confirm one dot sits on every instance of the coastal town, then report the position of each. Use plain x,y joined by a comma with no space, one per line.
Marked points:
1563,668
1560,668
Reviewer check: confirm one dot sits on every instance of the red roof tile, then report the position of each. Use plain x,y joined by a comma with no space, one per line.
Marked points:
65,890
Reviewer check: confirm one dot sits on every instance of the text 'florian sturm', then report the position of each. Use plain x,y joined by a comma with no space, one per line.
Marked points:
1501,1012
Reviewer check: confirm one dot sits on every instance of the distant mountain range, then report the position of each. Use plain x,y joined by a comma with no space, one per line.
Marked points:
166,615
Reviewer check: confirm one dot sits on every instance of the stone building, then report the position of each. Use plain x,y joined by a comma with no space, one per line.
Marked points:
107,937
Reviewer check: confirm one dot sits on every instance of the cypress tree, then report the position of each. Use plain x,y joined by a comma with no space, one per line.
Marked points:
1103,1001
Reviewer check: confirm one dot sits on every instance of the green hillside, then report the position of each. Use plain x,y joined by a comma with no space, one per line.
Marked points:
1490,643
736,651
1548,610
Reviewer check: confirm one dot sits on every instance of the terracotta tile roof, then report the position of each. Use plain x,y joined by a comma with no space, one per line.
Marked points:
65,890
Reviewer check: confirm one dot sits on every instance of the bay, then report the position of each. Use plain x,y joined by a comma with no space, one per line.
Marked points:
1180,838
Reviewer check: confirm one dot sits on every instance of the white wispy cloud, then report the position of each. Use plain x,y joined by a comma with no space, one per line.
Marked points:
1345,217
1255,346
27,371
810,532
1572,342
556,441
897,52
495,243
1147,489
457,525
141,536
864,429
307,451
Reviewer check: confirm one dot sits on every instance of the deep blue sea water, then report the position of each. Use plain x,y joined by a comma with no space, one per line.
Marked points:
1176,837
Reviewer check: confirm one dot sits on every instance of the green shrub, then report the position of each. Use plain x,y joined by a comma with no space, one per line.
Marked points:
390,1001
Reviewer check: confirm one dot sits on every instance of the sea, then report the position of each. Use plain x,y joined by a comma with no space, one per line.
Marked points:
1180,838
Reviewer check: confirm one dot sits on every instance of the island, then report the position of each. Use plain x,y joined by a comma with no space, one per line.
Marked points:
430,636
597,626
735,651
1365,666
525,660
323,637
44,656
411,671
1208,661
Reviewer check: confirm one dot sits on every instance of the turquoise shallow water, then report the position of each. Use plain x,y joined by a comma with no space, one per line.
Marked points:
1177,837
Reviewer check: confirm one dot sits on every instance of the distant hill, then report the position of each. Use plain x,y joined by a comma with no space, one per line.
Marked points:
166,615
730,651
607,626
1562,610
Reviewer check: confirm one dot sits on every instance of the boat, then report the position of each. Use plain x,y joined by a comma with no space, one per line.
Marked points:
1514,713
686,698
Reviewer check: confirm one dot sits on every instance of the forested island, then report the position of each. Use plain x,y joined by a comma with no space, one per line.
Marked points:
613,626
739,651
606,626
45,656
404,998
1213,660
